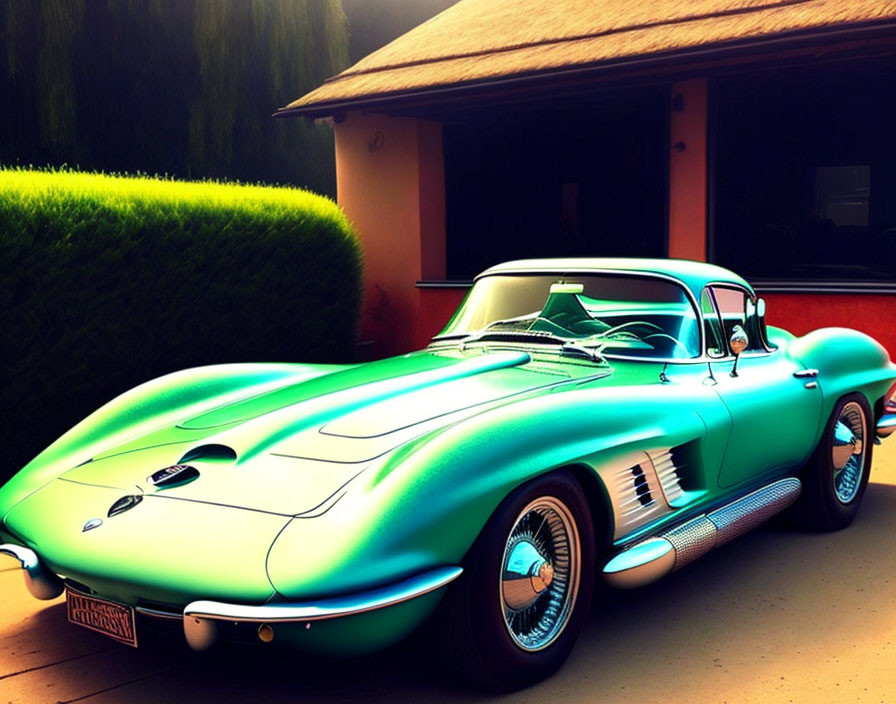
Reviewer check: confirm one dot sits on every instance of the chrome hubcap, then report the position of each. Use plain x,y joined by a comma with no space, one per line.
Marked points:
848,453
540,573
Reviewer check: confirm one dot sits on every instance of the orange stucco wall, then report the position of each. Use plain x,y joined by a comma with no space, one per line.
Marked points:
390,181
687,170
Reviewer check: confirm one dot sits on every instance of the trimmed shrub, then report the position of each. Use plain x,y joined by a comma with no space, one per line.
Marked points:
108,281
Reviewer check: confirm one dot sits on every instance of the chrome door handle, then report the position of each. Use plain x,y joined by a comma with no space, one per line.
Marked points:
806,373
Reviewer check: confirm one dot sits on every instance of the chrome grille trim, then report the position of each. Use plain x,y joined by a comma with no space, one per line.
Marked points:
622,482
667,473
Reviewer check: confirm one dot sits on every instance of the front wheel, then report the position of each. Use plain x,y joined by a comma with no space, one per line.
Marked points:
837,474
518,608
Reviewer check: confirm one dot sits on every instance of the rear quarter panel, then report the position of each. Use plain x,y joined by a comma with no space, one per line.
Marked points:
848,361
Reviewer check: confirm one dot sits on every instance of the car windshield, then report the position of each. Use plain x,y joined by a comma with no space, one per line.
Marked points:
620,314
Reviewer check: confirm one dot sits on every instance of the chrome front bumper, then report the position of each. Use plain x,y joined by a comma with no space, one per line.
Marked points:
886,426
201,617
41,582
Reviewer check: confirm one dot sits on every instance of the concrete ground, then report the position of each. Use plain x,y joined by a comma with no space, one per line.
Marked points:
777,616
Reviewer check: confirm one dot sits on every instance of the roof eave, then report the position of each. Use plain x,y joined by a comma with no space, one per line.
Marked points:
665,63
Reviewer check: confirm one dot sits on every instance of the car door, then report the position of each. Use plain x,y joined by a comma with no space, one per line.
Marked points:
774,402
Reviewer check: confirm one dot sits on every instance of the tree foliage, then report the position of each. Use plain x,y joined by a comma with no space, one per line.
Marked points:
375,23
184,87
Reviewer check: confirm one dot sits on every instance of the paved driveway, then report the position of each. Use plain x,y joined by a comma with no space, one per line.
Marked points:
777,616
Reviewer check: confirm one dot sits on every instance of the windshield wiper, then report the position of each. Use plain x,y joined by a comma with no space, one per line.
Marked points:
530,335
571,347
593,353
528,320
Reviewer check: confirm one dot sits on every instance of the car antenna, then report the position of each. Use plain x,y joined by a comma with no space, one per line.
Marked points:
709,366
663,377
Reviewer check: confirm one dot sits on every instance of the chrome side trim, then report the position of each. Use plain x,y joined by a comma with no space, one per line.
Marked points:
41,582
158,613
886,426
200,616
655,557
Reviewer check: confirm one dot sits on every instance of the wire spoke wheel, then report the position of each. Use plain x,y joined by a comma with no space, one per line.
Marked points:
836,475
514,615
540,573
847,451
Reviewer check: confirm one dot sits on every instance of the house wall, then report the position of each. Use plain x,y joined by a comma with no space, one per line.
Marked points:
687,170
390,182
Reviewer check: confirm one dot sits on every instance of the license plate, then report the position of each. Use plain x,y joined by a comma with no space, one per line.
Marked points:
106,617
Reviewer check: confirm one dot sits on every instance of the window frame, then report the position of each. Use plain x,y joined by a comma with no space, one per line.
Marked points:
751,320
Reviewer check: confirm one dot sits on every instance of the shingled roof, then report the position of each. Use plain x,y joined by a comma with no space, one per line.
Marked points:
478,42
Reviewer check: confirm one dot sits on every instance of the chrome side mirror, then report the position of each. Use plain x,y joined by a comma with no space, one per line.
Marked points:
738,342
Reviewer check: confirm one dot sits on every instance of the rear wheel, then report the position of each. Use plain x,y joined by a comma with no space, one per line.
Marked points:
837,474
519,606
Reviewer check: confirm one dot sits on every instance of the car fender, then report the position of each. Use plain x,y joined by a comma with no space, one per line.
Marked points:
424,504
847,361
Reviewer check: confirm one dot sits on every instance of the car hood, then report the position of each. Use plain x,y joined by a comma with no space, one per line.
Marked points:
291,450
170,552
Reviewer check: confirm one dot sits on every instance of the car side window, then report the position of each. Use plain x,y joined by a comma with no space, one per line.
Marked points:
732,306
715,341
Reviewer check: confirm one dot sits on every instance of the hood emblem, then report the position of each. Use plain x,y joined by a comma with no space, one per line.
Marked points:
91,524
175,474
125,503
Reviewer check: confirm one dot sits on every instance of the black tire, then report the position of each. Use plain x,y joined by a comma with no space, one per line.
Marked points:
833,488
503,648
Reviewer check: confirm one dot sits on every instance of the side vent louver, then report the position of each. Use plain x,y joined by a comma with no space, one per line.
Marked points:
642,490
667,473
636,494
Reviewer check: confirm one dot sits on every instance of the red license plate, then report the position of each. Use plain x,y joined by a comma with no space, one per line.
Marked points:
106,617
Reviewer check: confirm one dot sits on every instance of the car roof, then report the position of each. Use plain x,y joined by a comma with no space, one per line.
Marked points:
694,275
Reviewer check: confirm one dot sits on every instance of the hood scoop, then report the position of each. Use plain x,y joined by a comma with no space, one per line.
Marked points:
210,452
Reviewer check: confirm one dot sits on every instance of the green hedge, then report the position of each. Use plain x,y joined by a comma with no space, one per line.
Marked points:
108,281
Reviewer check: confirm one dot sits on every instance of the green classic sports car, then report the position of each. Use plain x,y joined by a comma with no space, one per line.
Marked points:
575,418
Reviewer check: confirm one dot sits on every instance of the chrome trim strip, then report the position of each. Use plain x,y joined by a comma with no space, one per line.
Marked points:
41,582
156,613
886,426
650,559
200,616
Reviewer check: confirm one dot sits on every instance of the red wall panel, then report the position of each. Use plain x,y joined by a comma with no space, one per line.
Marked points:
803,312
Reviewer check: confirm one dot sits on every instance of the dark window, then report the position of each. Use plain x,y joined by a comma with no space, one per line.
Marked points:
805,179
571,179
